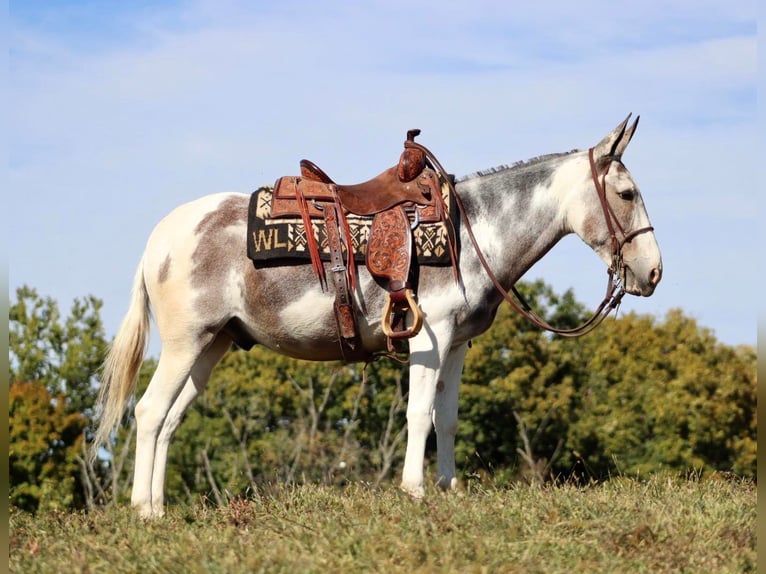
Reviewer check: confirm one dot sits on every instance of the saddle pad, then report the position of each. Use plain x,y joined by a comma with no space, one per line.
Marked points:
272,240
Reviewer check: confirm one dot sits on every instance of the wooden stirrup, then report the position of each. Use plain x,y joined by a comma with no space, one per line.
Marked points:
409,304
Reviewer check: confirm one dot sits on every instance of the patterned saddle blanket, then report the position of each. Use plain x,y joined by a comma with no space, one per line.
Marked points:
283,239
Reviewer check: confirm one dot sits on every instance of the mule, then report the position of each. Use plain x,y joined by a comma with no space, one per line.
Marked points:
205,295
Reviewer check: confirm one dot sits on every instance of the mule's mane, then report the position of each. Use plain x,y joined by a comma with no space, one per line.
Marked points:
517,165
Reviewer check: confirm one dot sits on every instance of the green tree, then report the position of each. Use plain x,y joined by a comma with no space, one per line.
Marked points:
45,444
665,395
63,355
53,364
519,383
634,396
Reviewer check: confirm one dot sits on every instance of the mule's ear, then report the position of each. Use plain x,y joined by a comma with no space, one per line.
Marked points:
626,137
616,141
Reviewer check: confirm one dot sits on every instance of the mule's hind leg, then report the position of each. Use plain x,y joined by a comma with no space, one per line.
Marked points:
173,370
195,384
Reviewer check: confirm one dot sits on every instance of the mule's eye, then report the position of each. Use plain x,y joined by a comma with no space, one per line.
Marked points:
627,195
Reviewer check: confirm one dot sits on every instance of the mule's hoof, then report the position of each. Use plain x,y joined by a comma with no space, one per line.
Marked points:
416,492
146,511
446,484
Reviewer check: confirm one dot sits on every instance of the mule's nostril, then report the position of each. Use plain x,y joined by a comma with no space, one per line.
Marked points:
654,276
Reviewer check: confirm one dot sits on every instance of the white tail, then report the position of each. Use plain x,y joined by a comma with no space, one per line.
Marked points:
123,362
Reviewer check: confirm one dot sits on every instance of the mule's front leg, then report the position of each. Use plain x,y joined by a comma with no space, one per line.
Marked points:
427,350
420,404
445,416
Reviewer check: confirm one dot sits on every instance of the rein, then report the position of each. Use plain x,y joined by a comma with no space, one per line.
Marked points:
614,289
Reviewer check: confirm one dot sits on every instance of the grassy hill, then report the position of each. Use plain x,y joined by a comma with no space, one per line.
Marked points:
657,524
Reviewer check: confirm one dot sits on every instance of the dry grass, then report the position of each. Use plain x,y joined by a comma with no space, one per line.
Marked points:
660,524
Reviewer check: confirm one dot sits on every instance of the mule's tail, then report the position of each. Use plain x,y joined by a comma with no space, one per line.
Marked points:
123,362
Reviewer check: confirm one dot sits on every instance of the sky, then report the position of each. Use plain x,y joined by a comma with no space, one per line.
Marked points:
121,111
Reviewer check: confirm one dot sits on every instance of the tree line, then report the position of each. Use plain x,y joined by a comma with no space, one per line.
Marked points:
638,395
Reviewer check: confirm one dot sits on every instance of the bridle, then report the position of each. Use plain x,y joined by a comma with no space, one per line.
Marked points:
614,288
617,266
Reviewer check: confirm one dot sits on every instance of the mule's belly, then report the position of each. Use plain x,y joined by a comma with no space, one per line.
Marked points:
285,310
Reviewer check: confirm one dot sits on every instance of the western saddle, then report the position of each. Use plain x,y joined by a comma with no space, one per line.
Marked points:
397,200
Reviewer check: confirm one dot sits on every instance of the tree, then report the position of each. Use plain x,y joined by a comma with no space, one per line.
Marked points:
634,396
519,383
665,395
63,356
45,442
53,372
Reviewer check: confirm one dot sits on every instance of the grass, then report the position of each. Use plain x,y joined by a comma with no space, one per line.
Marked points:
661,524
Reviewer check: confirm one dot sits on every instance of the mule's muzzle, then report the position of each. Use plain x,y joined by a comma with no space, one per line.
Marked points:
654,276
643,287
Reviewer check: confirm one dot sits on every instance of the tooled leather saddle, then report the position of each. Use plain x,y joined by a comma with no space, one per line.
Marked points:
399,199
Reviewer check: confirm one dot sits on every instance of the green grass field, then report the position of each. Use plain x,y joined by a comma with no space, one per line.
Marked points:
660,524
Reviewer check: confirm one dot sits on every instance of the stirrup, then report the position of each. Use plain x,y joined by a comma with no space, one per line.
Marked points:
409,304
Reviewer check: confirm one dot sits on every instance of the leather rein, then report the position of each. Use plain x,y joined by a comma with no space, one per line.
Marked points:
614,288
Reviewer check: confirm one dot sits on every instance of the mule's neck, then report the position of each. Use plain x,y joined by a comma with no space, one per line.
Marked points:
517,215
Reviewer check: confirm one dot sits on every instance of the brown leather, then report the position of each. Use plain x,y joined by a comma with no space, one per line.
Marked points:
373,196
288,188
389,257
389,249
345,316
412,161
386,190
408,181
310,170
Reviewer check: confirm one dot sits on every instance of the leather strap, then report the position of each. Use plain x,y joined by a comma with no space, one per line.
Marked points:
350,343
311,242
609,215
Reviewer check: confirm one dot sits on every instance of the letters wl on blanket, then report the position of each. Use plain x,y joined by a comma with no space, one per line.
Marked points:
397,201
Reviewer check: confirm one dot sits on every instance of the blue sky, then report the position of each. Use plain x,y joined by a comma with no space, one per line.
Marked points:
122,111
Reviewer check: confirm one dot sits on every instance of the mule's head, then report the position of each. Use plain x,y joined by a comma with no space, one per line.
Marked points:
611,218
